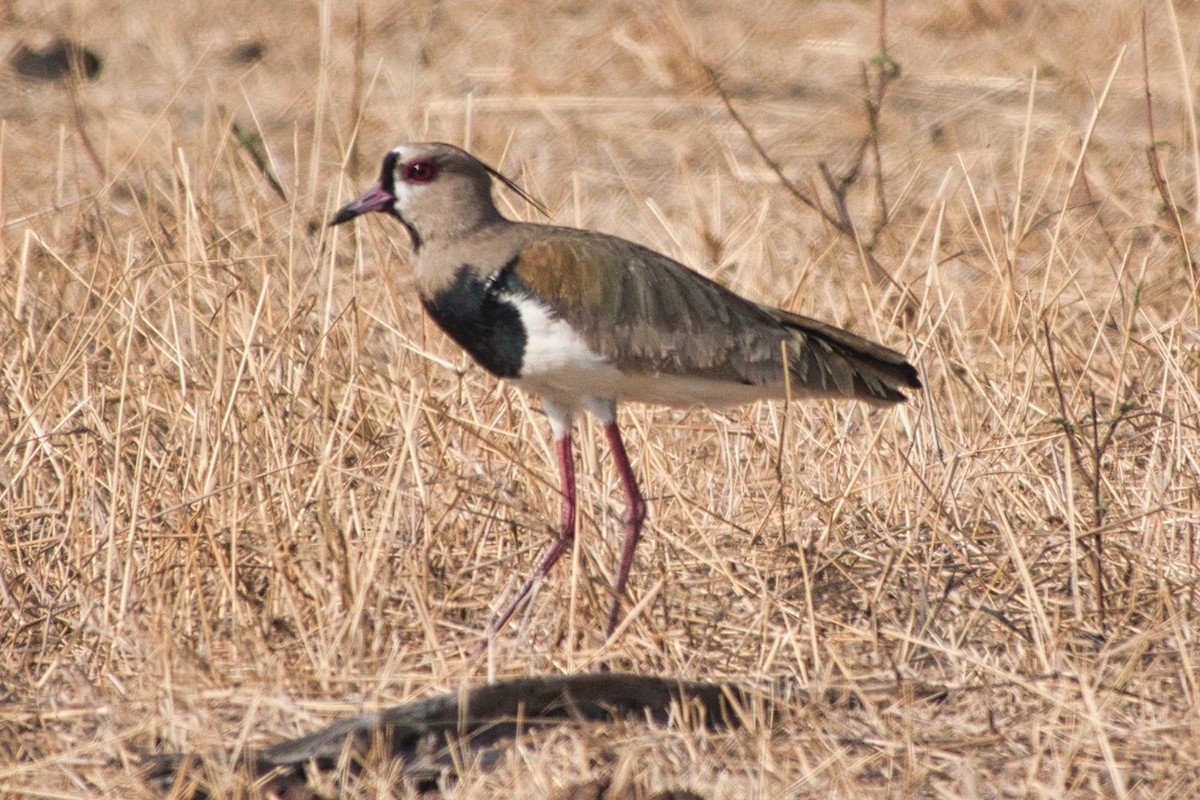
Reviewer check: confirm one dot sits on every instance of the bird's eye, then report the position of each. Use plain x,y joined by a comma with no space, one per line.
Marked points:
422,171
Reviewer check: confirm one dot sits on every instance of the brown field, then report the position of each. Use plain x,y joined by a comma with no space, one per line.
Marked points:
246,488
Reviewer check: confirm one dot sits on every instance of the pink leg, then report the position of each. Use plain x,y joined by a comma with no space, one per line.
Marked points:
635,513
566,530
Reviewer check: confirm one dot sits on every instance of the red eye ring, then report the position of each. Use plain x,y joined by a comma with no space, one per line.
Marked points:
420,171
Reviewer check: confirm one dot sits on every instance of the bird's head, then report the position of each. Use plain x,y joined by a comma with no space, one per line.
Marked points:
437,190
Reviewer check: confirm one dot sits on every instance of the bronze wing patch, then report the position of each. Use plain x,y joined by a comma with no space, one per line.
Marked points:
650,314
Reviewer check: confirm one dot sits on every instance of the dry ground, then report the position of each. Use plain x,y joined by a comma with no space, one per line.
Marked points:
246,488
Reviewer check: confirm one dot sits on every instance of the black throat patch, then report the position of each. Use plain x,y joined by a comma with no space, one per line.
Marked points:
474,313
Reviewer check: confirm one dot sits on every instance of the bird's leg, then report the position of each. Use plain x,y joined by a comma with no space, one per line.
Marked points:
635,513
566,531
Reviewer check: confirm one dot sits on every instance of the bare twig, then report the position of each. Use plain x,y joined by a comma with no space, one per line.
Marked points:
1088,456
715,81
1188,103
1170,207
875,85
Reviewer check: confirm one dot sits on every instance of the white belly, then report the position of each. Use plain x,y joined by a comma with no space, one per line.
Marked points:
559,365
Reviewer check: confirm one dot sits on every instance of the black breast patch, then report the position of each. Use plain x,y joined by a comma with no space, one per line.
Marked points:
474,314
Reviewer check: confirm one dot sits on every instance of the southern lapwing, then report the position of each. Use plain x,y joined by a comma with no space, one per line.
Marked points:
586,320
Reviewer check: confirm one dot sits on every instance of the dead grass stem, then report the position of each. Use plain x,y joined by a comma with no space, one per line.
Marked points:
246,487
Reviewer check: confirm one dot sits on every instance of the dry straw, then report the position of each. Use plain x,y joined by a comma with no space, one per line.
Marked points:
246,488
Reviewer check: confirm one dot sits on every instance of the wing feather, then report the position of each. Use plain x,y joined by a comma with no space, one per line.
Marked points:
647,313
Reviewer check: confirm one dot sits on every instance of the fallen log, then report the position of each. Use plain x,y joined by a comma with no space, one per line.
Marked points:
428,737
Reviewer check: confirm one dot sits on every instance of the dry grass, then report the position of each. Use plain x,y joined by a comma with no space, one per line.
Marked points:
245,487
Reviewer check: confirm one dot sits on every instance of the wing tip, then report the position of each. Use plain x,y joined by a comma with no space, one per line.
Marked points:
885,387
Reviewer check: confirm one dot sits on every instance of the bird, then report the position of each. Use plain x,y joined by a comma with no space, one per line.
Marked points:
586,320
